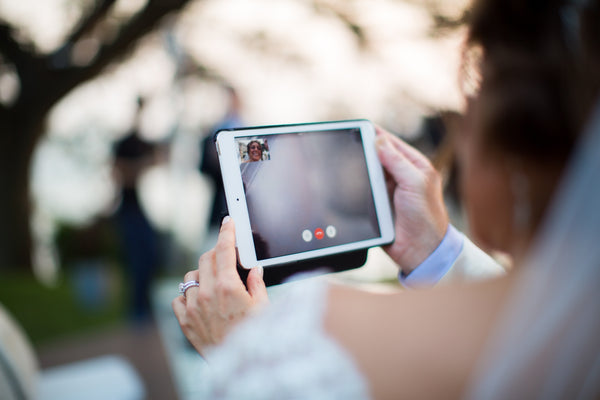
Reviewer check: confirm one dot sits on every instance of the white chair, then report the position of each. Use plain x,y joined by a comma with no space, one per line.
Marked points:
105,377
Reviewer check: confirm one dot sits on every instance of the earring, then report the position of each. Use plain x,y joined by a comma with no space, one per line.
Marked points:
521,205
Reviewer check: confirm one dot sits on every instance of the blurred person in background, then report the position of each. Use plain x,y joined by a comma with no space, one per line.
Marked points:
139,239
209,162
529,167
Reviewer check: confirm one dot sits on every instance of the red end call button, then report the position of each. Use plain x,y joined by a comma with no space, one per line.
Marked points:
319,233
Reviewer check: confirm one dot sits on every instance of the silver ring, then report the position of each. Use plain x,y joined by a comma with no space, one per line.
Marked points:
183,286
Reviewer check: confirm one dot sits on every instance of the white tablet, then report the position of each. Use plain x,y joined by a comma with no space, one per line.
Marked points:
298,192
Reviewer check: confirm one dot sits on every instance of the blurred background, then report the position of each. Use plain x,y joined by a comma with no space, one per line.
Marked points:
106,109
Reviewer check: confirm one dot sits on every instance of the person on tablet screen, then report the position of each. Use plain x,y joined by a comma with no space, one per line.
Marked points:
254,151
529,162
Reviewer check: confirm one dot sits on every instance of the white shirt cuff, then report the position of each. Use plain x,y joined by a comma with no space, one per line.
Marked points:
434,267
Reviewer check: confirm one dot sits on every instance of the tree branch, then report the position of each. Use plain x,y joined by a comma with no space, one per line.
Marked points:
12,50
344,16
138,26
88,23
443,24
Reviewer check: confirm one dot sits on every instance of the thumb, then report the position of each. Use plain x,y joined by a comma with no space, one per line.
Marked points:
256,286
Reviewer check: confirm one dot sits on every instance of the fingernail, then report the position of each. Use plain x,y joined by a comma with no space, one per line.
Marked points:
380,142
260,270
226,220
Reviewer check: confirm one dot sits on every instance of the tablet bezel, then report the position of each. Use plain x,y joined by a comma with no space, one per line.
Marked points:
228,152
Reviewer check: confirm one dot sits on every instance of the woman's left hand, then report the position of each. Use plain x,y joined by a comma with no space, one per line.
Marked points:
208,312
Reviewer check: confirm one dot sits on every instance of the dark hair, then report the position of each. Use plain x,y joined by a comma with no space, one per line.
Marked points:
540,73
253,141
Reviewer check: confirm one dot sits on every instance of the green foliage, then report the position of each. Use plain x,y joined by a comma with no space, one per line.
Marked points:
96,240
47,313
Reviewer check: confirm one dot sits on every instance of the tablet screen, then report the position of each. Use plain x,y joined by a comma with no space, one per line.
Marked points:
306,191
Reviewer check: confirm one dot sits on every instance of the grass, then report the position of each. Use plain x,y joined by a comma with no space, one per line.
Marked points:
47,313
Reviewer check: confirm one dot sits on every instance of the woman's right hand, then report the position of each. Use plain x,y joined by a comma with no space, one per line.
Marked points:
415,186
208,312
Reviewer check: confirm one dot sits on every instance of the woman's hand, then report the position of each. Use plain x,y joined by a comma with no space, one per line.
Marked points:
421,219
208,312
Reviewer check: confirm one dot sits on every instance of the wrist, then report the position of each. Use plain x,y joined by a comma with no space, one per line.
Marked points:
438,263
411,257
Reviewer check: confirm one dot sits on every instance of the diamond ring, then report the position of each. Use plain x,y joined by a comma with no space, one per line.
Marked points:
183,286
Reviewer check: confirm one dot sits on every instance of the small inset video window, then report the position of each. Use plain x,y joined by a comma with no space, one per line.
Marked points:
253,150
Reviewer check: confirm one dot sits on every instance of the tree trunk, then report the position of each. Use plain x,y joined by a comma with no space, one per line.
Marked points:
22,124
16,153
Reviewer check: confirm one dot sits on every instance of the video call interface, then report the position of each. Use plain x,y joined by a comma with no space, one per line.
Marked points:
306,191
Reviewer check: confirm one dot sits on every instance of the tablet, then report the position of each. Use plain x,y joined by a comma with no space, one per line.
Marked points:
304,191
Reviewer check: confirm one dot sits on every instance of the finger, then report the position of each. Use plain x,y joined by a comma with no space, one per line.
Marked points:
256,286
225,253
195,334
390,185
190,276
207,270
179,308
413,155
402,171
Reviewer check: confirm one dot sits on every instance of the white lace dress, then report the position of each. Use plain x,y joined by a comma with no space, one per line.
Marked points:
283,353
